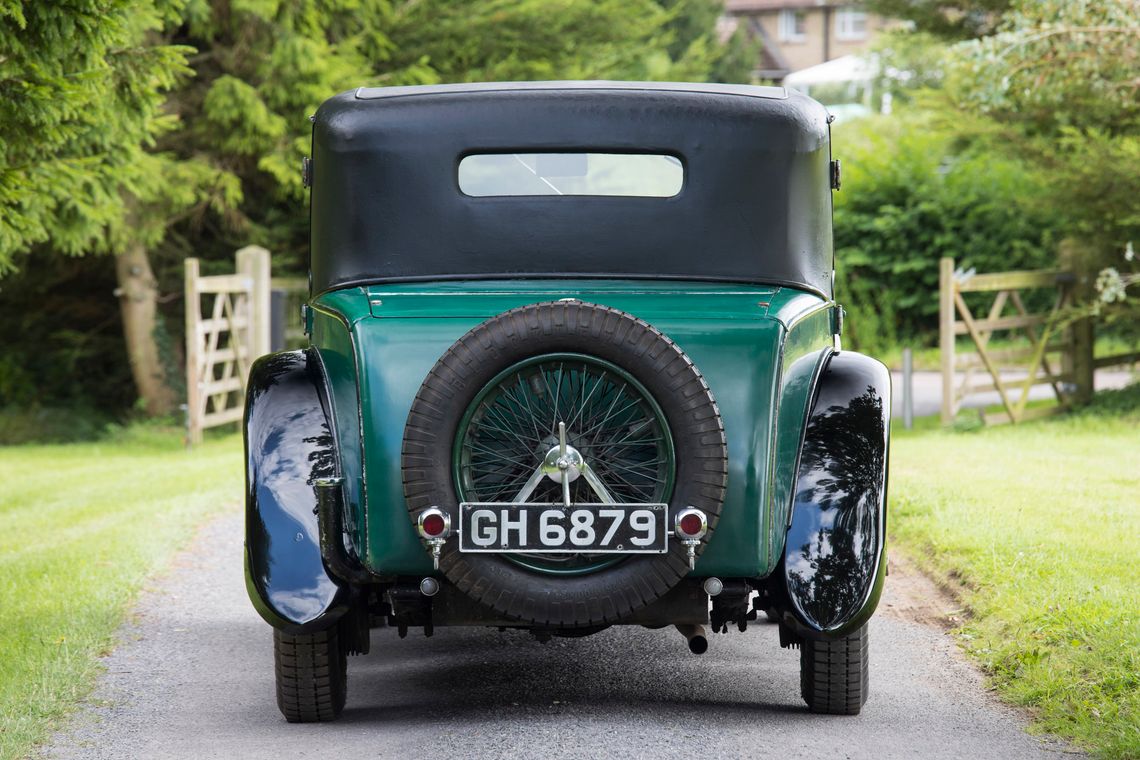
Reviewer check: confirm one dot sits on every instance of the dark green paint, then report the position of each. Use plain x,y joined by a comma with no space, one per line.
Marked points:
331,336
807,342
485,299
752,343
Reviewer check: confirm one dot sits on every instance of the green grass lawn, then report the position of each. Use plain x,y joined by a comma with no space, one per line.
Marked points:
84,526
1040,524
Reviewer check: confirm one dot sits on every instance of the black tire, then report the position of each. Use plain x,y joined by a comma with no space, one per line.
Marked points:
668,375
834,675
312,675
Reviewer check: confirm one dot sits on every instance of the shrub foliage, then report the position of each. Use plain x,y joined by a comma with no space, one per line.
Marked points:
911,195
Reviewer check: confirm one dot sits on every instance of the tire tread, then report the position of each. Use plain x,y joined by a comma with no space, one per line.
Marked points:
834,675
311,675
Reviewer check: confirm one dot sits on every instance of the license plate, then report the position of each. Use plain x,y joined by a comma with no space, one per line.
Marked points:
558,529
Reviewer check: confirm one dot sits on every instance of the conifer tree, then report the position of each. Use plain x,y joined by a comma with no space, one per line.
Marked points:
82,86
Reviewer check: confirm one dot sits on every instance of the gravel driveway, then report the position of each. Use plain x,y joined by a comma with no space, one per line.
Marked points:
193,678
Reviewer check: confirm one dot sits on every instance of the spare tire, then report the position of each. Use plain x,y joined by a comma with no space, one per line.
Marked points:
488,411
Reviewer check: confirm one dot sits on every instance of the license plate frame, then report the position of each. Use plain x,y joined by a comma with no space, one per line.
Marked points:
473,536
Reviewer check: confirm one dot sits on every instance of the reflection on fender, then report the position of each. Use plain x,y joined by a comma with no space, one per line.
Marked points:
834,544
289,446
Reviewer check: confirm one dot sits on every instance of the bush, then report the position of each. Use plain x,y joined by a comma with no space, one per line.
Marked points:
910,196
63,337
36,424
1122,403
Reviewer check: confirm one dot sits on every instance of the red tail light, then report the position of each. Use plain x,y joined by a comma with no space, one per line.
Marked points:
690,524
433,523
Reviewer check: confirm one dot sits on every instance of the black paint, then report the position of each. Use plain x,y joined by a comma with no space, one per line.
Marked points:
289,446
834,558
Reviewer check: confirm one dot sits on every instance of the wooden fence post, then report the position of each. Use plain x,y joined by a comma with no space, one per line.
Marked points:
946,336
253,262
1077,360
193,351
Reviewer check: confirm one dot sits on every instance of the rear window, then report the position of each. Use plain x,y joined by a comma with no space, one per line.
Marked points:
648,175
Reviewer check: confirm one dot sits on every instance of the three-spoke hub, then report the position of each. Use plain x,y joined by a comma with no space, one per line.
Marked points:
564,464
615,446
559,465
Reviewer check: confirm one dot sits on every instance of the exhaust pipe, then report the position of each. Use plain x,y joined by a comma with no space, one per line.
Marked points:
330,522
695,635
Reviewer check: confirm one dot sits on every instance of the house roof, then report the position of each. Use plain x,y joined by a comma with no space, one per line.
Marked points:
848,68
773,63
752,6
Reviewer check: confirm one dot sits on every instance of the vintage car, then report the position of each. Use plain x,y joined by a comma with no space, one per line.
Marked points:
574,362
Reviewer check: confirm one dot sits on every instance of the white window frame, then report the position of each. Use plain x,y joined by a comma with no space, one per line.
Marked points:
787,25
845,20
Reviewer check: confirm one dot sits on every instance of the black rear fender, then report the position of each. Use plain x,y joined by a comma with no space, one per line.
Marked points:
289,447
834,559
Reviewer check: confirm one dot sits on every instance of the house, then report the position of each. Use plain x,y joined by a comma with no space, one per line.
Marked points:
797,34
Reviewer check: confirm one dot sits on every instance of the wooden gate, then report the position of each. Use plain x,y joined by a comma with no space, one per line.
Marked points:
1058,351
1050,355
227,327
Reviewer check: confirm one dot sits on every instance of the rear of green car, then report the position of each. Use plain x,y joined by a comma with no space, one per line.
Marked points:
758,348
574,363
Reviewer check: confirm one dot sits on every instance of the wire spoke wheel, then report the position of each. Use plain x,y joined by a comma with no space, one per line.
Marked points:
610,418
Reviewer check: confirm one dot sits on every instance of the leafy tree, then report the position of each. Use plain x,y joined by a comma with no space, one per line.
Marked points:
81,92
262,67
1052,88
913,192
502,40
1054,64
1060,81
160,129
80,98
695,39
909,64
948,19
737,60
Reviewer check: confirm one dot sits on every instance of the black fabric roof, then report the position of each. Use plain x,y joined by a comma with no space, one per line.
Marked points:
755,205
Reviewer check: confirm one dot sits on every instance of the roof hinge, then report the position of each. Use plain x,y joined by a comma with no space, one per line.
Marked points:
306,172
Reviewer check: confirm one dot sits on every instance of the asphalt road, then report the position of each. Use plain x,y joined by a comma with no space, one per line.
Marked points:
928,390
193,678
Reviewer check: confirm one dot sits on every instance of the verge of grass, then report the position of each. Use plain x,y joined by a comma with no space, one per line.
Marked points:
1040,522
84,525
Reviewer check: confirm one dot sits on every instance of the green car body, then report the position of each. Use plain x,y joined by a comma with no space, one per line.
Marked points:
759,347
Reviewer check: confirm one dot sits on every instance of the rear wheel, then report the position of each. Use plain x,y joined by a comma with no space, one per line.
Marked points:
312,675
834,674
